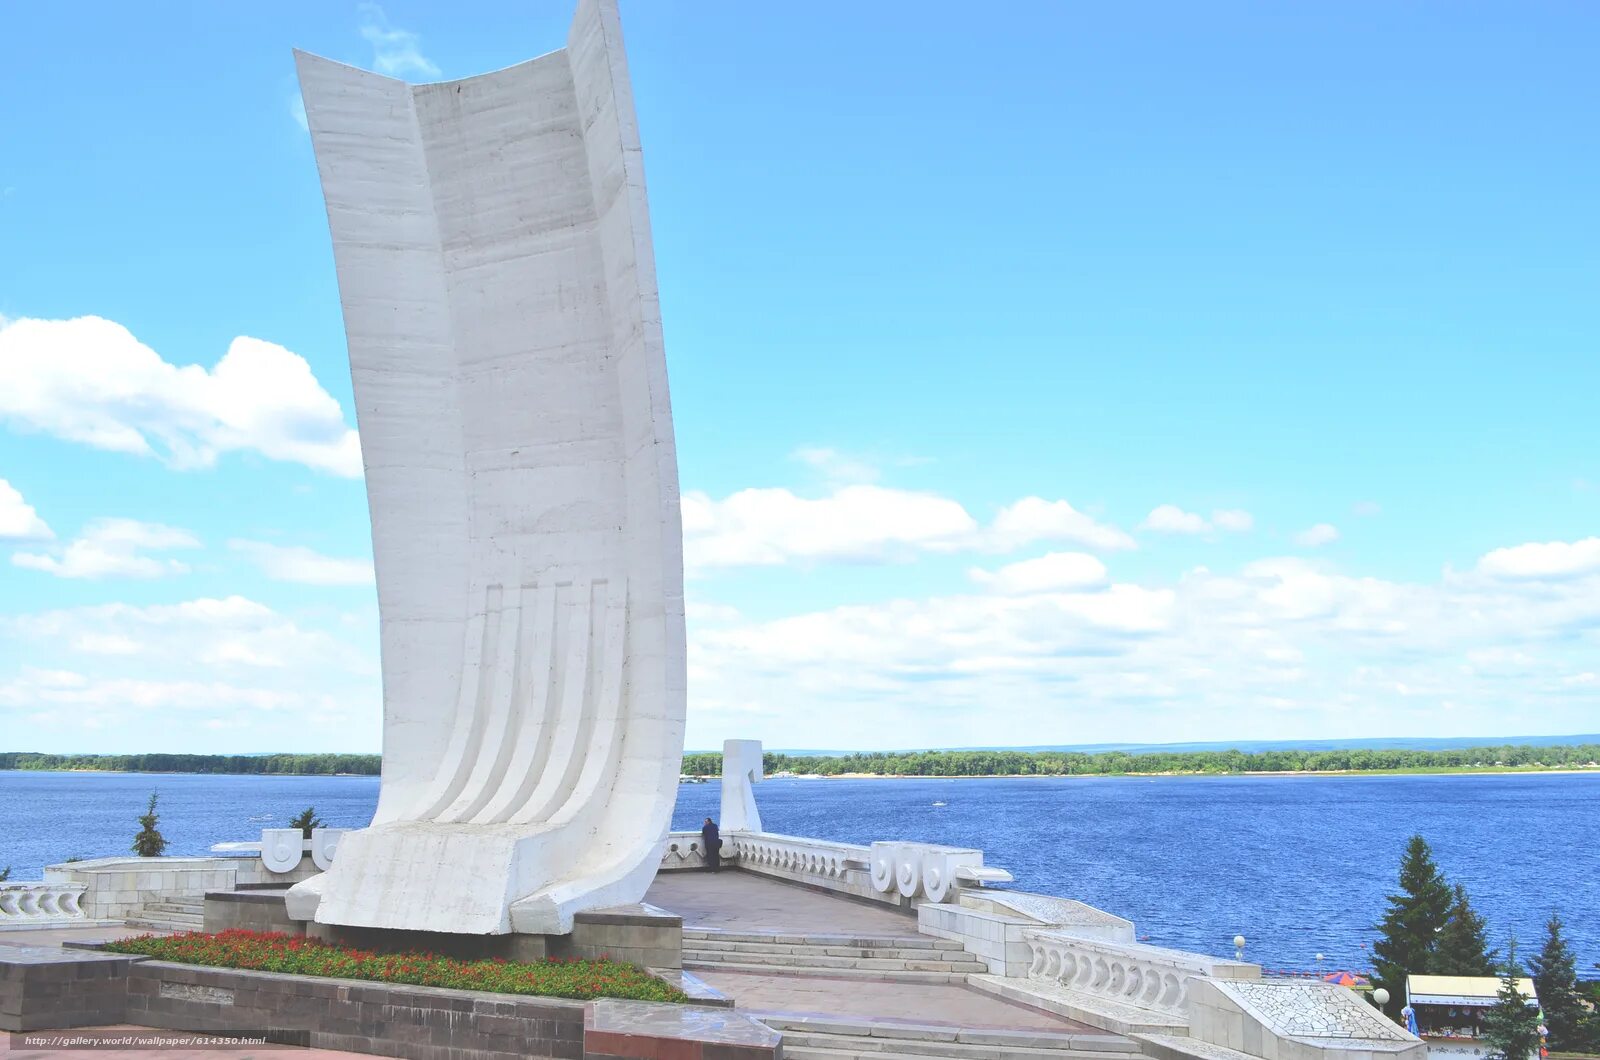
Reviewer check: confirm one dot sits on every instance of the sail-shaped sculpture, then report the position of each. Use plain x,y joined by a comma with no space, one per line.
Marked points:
500,304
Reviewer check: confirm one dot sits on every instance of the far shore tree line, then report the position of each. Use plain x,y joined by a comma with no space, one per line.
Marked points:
910,763
1115,763
1431,928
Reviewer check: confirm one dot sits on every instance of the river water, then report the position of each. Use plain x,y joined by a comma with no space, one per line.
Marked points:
1299,865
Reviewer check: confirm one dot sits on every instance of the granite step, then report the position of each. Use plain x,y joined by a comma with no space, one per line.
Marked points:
912,942
172,913
180,917
839,1047
881,975
904,953
150,924
878,1036
969,965
1115,1016
1181,1047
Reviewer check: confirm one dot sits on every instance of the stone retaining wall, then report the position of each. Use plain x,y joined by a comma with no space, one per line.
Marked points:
259,910
413,1021
45,988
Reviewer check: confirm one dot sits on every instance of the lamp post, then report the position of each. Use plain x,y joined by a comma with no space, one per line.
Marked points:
1380,997
1238,947
1319,966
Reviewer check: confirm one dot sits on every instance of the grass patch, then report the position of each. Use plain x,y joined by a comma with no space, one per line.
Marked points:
276,952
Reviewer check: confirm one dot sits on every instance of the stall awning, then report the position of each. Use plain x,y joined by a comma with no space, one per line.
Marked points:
1463,990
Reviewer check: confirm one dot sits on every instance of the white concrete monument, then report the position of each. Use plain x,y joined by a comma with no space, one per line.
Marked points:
500,305
742,768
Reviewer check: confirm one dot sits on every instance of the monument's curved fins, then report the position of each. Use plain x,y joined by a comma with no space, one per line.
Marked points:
493,252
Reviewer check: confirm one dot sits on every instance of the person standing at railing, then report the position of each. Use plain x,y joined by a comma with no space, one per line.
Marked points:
711,845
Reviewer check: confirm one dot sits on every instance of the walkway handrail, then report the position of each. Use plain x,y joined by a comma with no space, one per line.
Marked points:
26,901
1150,977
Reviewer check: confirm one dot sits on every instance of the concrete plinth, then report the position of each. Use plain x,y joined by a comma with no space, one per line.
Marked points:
641,935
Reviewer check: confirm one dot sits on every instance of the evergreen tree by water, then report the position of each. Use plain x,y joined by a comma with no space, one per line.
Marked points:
1410,929
1463,944
1511,1027
1555,977
306,820
149,843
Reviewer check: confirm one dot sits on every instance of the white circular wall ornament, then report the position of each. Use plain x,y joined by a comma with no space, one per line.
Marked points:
281,848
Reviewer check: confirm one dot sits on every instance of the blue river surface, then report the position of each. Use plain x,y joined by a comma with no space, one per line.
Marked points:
1299,865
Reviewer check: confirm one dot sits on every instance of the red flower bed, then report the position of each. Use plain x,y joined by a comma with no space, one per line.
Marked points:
275,952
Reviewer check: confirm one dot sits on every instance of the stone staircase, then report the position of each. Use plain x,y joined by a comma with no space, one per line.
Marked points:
174,913
828,1039
895,958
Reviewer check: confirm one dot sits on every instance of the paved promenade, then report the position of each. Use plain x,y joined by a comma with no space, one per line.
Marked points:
731,900
744,902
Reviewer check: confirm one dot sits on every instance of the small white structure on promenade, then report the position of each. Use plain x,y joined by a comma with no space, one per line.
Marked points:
495,267
742,768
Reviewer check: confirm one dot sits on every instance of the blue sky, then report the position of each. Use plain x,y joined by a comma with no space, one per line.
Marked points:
1072,374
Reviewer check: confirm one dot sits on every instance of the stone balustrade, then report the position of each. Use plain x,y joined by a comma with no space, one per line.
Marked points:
40,903
1147,977
796,855
683,851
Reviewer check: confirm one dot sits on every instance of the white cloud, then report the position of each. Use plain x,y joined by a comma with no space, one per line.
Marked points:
90,380
119,677
298,564
1035,519
113,548
868,523
1321,534
1053,572
1170,519
297,111
837,467
764,527
18,519
396,52
1236,520
32,689
1286,646
1366,509
1549,559
229,633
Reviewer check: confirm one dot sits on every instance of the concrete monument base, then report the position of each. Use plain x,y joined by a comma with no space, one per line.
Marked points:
641,935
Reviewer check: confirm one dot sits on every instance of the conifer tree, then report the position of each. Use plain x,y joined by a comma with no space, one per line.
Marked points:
1463,946
306,820
1555,979
1411,926
1511,1027
149,843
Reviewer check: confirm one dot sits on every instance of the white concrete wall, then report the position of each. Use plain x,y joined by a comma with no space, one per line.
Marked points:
493,251
994,937
117,888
